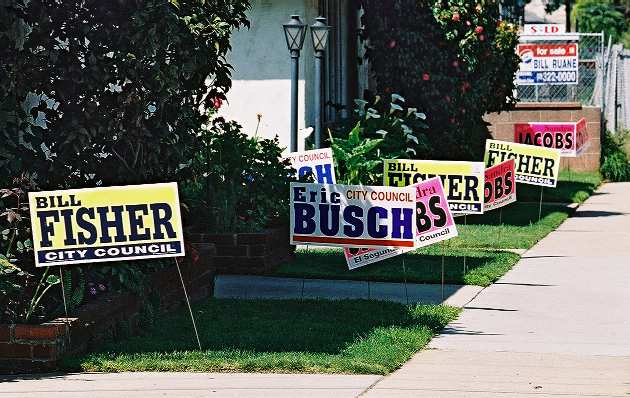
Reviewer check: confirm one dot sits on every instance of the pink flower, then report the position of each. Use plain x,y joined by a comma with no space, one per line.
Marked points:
455,64
425,76
479,29
482,37
468,23
392,43
455,17
217,102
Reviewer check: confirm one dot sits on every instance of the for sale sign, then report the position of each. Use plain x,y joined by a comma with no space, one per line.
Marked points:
352,215
569,137
500,187
462,181
533,164
317,162
434,223
106,224
547,64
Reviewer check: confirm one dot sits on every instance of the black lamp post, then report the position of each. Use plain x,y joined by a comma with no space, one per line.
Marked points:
294,33
319,34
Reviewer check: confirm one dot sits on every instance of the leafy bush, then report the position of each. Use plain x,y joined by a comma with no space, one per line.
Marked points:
239,183
22,288
109,92
615,166
400,127
599,16
357,159
452,59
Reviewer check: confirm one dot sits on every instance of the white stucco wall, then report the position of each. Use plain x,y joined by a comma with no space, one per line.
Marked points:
261,80
535,13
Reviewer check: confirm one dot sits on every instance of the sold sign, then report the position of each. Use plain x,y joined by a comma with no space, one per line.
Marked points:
500,187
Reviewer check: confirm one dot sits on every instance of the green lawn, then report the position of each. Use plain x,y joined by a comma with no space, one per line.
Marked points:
356,336
421,266
572,187
516,226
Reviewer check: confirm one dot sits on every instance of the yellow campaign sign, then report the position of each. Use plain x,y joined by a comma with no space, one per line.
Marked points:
535,165
463,182
106,224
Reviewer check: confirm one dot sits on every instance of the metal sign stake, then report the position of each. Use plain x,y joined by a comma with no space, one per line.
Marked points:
192,317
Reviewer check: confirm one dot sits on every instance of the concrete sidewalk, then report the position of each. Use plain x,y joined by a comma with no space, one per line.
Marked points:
264,287
184,385
557,324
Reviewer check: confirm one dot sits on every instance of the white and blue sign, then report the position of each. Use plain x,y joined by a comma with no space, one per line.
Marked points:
547,64
317,162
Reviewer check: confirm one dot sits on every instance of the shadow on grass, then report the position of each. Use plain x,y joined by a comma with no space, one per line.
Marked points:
357,336
421,266
572,187
518,214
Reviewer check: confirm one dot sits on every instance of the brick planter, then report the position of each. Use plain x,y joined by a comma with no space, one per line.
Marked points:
28,348
248,253
39,348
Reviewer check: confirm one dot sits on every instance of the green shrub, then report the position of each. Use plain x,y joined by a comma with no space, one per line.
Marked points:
239,183
401,129
109,92
599,16
615,166
454,60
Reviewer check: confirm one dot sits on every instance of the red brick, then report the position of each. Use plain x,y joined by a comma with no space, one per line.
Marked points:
236,251
205,248
252,238
555,116
38,332
526,116
5,333
15,350
196,238
224,261
45,351
258,250
591,113
14,366
221,239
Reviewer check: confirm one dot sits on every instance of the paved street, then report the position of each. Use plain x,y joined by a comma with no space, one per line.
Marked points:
557,325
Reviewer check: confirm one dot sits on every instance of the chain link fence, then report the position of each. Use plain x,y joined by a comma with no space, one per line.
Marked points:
617,88
588,90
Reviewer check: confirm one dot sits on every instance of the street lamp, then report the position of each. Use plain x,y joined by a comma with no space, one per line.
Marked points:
319,34
294,33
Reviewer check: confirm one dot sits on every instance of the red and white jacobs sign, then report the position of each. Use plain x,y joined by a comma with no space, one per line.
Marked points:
500,186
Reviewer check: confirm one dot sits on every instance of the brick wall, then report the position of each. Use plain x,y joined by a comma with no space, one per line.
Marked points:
32,347
248,253
39,348
502,127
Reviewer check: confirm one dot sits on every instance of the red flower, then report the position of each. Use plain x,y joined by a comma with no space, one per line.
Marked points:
392,44
479,29
455,17
425,76
217,102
